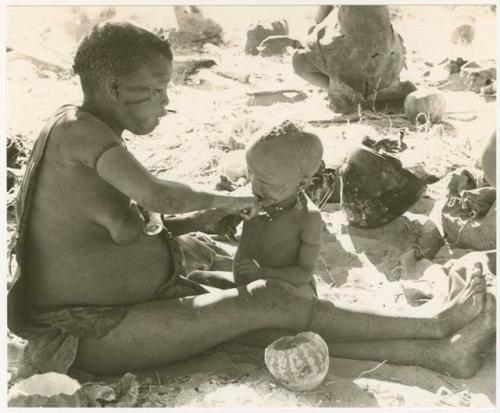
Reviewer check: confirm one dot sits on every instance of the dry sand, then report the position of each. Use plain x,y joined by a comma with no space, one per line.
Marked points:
188,145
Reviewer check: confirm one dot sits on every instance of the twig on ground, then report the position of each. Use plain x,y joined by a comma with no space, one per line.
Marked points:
333,282
371,370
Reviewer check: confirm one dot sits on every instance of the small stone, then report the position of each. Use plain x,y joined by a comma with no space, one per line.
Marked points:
261,31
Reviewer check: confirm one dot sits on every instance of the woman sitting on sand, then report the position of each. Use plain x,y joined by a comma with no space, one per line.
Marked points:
94,292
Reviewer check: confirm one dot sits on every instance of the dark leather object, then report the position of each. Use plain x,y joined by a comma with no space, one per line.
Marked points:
376,189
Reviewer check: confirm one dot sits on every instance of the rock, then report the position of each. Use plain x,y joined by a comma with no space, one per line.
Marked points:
270,97
425,105
185,66
194,30
461,180
428,238
464,32
46,390
490,89
259,32
419,169
454,66
277,45
478,74
300,362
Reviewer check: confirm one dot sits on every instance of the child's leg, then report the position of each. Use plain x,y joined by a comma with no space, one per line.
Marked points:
218,279
262,338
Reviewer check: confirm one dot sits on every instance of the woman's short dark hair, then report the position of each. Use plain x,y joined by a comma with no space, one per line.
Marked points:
116,48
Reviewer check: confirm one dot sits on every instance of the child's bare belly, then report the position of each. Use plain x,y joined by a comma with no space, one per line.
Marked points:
273,244
88,268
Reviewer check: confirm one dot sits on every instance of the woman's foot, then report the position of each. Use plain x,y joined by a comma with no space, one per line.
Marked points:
458,354
466,302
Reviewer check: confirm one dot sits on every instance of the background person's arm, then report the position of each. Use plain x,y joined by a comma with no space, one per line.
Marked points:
123,171
323,11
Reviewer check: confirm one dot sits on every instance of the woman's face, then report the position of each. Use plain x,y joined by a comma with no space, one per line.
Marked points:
143,96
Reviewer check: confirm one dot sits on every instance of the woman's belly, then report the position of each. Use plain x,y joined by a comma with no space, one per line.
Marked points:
89,269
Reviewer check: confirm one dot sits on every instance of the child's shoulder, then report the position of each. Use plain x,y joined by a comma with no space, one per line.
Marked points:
308,212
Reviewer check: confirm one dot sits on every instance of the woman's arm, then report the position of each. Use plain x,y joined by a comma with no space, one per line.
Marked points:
208,221
123,171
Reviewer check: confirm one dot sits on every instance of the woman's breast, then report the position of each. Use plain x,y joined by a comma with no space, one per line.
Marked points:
79,264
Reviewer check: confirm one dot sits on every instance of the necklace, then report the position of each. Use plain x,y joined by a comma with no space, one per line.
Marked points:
272,212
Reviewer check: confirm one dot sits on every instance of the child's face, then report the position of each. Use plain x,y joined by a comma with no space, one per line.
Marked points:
142,97
272,184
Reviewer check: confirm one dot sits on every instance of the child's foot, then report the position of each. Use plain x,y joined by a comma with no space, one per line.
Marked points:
458,354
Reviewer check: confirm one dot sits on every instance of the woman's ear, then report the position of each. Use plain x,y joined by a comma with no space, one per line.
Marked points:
112,88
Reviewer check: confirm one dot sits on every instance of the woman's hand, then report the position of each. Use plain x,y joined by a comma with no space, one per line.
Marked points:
245,203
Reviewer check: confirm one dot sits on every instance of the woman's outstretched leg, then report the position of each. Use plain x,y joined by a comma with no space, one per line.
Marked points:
456,355
160,332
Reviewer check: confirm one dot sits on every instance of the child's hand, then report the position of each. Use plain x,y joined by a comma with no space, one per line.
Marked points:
249,269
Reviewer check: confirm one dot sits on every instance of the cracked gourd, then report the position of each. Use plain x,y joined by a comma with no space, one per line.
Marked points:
46,390
298,362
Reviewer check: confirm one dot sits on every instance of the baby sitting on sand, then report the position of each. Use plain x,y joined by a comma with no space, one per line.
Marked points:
284,240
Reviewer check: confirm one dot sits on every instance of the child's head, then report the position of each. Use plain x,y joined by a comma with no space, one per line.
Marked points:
128,68
282,161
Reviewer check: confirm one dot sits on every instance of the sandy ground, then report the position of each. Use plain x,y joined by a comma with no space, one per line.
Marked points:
188,145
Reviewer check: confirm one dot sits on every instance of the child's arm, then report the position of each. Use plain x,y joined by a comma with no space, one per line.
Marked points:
301,273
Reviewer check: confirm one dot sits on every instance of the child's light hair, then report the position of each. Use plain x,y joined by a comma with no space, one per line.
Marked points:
290,142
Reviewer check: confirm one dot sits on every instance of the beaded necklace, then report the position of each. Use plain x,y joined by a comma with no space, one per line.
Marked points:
272,212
